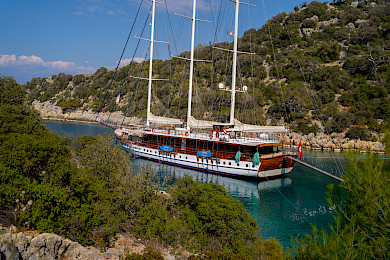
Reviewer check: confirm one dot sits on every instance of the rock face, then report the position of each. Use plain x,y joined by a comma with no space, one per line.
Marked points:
50,111
333,142
44,246
47,246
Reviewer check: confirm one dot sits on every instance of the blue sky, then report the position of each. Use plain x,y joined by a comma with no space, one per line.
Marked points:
45,37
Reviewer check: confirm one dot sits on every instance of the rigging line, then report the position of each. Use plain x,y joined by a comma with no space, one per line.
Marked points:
182,25
216,25
170,24
132,59
135,87
117,66
315,101
273,51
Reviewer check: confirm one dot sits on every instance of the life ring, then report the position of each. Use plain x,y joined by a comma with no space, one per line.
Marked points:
153,130
187,134
211,136
169,132
251,135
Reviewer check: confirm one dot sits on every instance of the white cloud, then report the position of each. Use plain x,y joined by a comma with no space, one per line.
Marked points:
24,68
110,12
125,62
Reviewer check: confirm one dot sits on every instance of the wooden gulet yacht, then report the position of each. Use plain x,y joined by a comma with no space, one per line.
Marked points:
233,148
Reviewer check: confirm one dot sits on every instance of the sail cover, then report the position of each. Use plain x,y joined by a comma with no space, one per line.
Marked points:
164,120
238,126
201,124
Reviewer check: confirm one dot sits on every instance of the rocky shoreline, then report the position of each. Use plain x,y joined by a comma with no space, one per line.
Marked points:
319,141
53,112
31,245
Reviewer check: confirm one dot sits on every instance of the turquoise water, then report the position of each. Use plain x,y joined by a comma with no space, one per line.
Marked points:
77,128
283,207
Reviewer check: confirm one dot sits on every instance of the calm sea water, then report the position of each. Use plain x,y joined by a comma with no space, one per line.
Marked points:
283,207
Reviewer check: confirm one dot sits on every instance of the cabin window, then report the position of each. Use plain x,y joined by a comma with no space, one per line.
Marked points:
186,157
247,165
238,164
179,156
183,144
230,163
224,163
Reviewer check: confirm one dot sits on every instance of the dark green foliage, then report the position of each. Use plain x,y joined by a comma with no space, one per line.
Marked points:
361,226
357,133
309,23
339,122
72,103
305,127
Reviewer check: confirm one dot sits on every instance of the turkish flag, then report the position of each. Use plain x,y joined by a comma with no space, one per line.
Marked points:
300,150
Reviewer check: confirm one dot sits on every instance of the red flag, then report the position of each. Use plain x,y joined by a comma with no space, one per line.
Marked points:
300,150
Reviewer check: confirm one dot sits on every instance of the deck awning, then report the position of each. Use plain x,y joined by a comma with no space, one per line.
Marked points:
201,124
164,120
257,128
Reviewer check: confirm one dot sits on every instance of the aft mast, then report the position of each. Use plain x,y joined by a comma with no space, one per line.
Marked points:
148,114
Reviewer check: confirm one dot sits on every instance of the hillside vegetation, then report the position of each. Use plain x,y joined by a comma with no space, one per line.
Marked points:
323,66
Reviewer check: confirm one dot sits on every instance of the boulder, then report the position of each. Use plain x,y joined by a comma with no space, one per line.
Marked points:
9,251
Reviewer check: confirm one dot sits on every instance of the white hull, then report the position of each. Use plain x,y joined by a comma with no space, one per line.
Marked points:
225,167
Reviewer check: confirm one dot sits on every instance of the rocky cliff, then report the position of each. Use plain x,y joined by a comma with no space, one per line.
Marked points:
32,246
51,111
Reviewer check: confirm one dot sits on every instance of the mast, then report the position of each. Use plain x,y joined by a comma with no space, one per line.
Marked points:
234,69
191,64
150,64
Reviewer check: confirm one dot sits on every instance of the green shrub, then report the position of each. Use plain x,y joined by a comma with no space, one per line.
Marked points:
358,133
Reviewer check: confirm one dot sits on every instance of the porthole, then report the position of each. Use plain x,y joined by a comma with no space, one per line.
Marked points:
224,163
186,157
179,156
238,164
230,163
253,166
247,165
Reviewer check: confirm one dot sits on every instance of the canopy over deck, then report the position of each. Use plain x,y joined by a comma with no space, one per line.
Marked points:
240,127
164,120
201,124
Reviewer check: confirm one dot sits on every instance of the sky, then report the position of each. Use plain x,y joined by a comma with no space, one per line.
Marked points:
41,38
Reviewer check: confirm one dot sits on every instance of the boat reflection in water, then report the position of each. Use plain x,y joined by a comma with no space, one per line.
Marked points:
283,207
234,186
